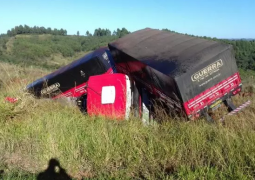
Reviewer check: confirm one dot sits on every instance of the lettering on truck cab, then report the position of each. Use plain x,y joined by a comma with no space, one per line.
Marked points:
50,89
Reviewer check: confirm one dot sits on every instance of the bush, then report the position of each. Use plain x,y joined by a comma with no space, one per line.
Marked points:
65,50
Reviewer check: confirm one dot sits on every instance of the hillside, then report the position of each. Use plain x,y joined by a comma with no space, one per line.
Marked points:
33,46
48,51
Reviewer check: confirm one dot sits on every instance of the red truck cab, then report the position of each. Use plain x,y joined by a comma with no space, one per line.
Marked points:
109,95
116,96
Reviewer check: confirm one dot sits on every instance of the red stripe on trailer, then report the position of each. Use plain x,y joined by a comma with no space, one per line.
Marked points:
78,91
212,94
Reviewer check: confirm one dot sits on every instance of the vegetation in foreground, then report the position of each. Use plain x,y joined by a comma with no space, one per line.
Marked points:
34,131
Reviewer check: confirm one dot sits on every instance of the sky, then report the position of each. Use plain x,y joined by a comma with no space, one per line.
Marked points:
213,18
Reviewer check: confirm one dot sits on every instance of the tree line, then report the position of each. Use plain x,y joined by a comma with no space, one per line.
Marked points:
106,32
42,30
35,30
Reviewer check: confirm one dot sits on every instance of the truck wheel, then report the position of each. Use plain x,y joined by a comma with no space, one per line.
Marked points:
82,104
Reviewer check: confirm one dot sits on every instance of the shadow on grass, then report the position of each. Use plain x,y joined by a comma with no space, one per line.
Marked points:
1,174
54,171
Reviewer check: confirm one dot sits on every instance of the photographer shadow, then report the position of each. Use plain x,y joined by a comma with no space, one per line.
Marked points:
54,171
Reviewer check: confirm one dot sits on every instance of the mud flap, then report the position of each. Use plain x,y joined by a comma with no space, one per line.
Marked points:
208,117
229,104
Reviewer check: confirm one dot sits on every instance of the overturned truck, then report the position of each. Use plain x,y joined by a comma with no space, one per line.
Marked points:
188,75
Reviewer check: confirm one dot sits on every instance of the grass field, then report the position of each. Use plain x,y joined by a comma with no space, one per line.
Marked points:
34,131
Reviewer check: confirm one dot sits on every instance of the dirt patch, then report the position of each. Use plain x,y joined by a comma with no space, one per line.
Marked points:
20,161
9,44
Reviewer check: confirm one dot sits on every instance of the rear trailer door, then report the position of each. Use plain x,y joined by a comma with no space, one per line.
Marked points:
210,82
109,95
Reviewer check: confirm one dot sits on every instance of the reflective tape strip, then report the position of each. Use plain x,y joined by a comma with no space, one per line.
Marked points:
244,105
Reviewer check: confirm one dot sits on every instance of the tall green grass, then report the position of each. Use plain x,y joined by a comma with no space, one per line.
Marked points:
34,131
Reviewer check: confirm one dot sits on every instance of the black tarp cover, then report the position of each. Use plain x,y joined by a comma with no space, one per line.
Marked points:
195,64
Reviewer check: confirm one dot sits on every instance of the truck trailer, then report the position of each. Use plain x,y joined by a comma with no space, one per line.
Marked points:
187,73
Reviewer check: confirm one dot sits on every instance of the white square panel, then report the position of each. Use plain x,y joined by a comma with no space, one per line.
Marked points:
108,95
